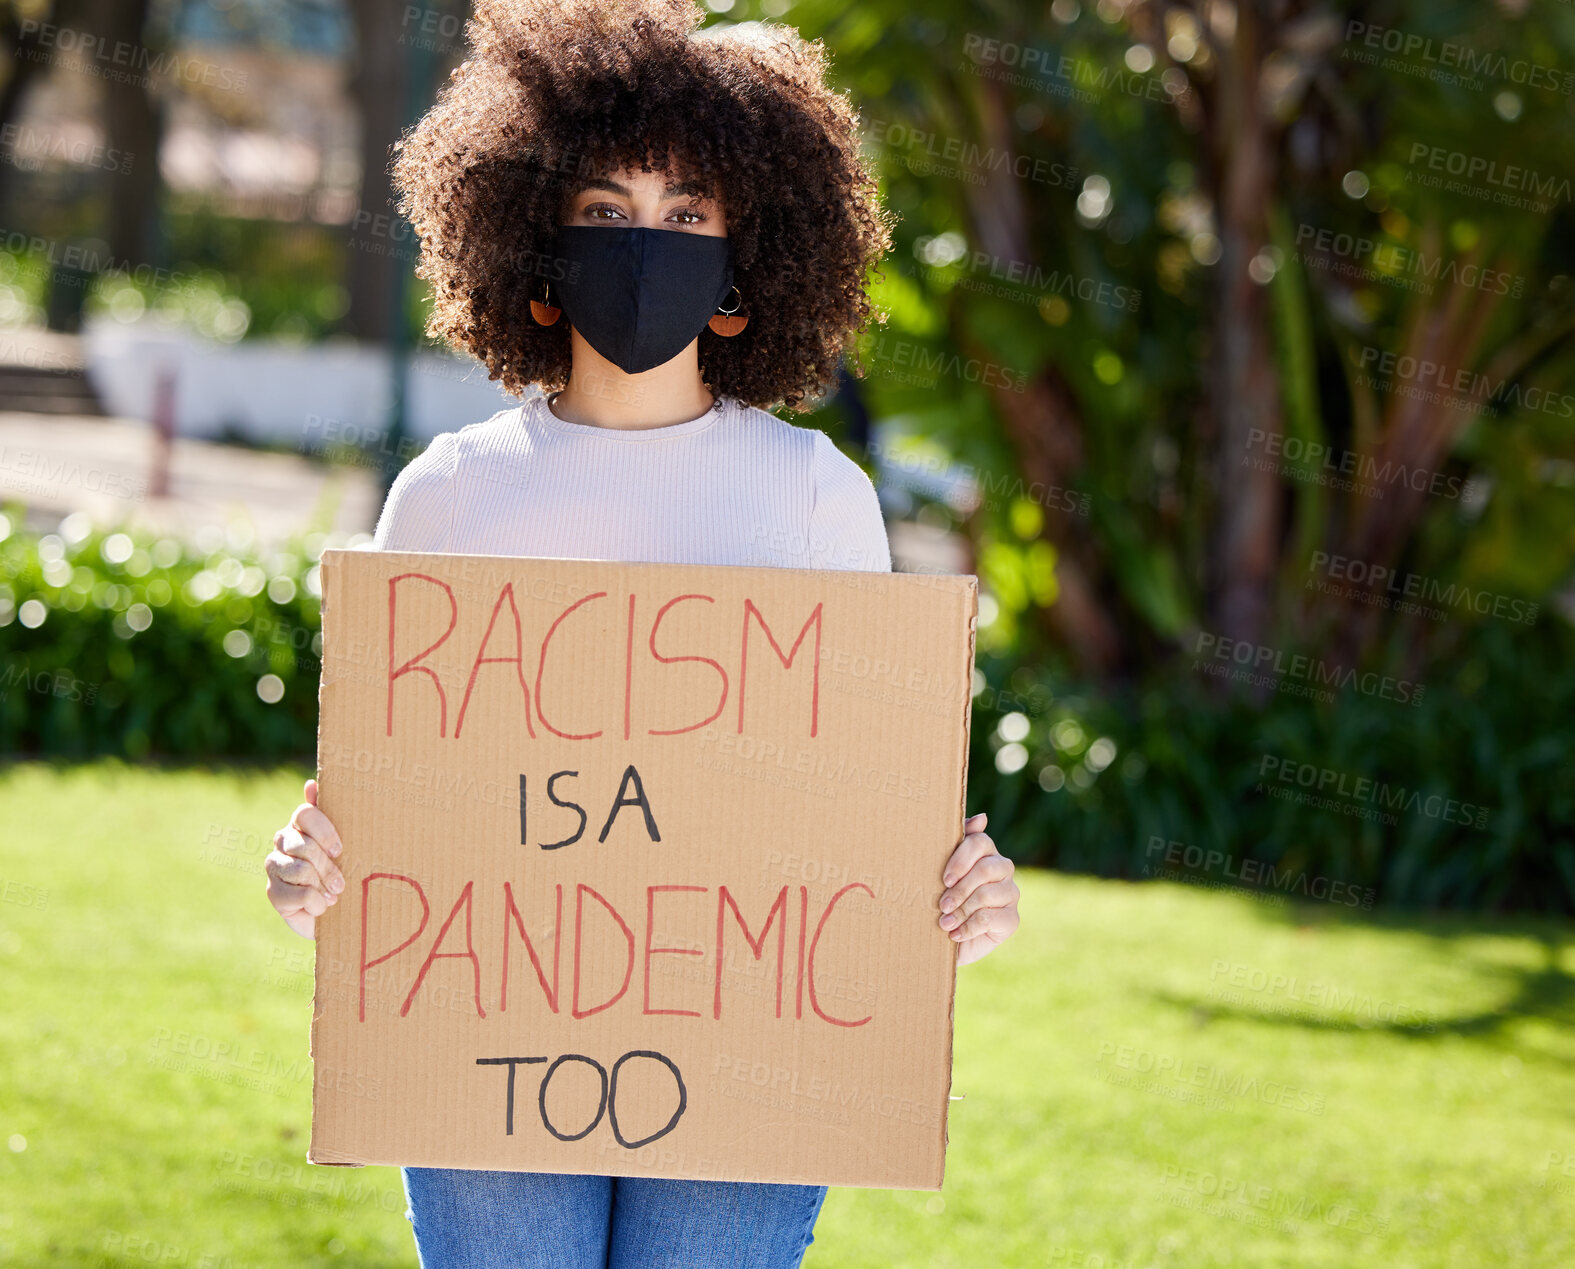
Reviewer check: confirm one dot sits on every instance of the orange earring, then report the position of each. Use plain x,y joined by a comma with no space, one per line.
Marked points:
725,323
544,313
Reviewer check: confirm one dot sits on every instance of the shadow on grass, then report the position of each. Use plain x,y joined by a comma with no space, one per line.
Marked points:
1545,991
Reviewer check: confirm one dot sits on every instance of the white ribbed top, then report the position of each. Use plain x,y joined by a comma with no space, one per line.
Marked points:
735,486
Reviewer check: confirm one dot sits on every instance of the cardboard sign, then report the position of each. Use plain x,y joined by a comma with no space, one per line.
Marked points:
643,867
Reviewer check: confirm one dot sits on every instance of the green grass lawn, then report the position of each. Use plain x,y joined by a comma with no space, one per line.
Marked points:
1152,1075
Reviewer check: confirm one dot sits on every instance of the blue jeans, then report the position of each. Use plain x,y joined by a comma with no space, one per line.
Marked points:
474,1219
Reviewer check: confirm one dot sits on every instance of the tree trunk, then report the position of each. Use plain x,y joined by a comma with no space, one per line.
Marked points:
1414,440
30,60
133,127
1038,422
1042,423
377,244
1246,380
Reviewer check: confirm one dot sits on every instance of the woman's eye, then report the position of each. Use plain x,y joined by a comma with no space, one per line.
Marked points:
698,215
601,207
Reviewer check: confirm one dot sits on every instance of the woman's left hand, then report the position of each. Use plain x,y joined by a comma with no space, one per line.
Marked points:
979,907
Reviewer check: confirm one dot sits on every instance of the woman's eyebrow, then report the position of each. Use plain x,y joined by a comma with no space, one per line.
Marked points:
674,188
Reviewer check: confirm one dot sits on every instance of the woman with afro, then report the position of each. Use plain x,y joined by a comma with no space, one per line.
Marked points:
653,234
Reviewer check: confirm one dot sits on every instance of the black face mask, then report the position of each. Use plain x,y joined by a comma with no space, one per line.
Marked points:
639,296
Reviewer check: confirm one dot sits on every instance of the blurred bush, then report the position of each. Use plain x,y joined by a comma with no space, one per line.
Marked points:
236,278
232,278
113,643
1465,800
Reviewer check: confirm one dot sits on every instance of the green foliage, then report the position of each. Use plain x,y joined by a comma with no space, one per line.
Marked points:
1109,291
229,278
1464,800
235,278
114,643
24,287
1112,281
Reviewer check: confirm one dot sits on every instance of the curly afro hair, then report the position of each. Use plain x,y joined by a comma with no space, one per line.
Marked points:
553,94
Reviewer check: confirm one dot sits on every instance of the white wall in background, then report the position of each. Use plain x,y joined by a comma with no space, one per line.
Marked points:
269,391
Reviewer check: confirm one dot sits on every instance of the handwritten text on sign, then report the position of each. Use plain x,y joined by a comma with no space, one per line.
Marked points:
606,941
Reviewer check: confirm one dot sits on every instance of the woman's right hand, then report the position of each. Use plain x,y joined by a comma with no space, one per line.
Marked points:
303,881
